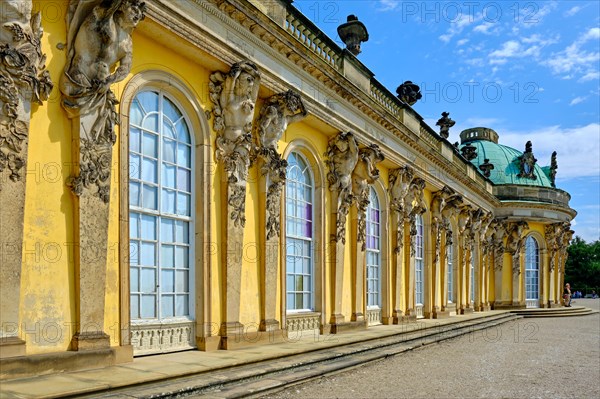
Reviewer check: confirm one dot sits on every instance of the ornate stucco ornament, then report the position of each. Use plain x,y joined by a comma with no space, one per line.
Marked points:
444,204
409,93
98,38
527,163
445,123
353,33
234,97
341,158
276,114
365,173
23,79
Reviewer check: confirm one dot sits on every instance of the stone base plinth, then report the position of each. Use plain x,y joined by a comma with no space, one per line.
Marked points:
466,311
269,325
58,362
441,314
208,344
357,317
236,341
341,328
90,341
485,308
11,347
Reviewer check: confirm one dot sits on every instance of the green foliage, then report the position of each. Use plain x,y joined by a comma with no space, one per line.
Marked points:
583,265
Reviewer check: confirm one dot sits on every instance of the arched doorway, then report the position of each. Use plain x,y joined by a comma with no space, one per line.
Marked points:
532,273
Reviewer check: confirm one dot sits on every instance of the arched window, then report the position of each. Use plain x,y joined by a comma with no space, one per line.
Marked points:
160,204
532,272
299,218
373,252
419,274
450,271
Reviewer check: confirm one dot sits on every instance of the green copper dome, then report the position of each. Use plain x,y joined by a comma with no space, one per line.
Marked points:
510,166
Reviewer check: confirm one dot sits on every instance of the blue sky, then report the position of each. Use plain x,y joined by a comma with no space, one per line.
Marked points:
529,70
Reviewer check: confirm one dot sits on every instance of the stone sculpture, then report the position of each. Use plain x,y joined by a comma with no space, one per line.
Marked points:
98,38
469,152
415,205
445,123
341,158
365,173
553,168
399,185
234,97
486,167
527,163
353,33
515,241
409,93
276,114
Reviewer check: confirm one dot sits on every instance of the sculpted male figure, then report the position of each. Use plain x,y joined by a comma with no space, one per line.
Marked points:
99,38
275,116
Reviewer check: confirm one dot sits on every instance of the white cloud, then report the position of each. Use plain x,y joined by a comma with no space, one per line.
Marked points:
531,14
577,100
578,148
592,75
575,59
462,41
388,5
456,27
486,28
572,11
510,48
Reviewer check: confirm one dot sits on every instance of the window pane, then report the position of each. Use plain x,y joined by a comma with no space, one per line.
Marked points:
134,305
183,180
149,170
182,305
134,279
168,201
182,283
134,253
148,100
167,230
181,257
148,280
182,132
148,306
151,122
171,110
167,256
135,113
167,282
133,225
148,254
168,176
183,155
134,167
169,151
149,196
148,227
181,232
166,307
134,194
150,145
183,204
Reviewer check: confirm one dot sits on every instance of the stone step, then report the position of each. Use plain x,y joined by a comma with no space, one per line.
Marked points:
275,374
555,312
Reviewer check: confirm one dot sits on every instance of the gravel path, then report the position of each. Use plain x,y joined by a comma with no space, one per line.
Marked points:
527,358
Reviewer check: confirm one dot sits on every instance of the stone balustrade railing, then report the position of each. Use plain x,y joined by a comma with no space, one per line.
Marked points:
380,94
304,30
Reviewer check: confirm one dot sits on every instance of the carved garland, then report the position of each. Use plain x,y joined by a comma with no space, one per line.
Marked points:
22,78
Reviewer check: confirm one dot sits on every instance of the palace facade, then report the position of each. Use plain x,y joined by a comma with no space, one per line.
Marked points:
211,174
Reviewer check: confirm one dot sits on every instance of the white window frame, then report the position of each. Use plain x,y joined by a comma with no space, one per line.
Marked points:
376,252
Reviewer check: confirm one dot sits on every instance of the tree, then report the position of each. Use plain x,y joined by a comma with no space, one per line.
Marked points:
582,269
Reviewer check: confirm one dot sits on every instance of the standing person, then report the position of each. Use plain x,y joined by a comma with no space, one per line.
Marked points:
567,295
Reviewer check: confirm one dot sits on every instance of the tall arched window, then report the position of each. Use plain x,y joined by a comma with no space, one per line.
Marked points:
450,271
161,215
299,191
419,273
532,272
373,252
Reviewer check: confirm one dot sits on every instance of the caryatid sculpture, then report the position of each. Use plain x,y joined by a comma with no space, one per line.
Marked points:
342,157
98,38
365,173
276,114
515,241
444,199
234,97
415,205
399,186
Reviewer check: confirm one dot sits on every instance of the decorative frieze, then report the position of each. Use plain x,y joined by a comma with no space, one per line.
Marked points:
303,321
373,317
158,337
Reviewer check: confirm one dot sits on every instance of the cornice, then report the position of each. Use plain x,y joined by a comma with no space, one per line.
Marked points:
257,28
